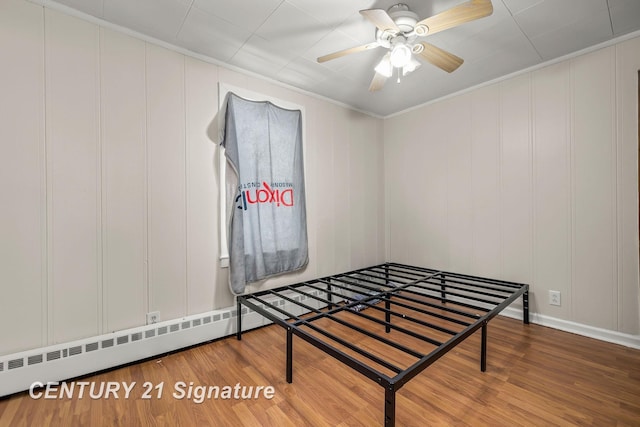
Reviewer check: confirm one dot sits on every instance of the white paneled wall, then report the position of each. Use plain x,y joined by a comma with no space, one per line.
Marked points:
593,168
485,182
72,86
339,190
627,131
532,179
552,202
459,187
515,180
109,184
124,206
322,190
166,170
202,184
23,263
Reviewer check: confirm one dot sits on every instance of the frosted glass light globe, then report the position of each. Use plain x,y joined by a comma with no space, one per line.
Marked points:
400,55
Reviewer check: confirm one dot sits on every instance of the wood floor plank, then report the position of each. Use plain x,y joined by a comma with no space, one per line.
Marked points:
535,376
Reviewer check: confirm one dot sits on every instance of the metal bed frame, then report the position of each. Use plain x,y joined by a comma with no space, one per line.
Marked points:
424,313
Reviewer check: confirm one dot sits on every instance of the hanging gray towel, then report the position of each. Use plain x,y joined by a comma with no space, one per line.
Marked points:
268,227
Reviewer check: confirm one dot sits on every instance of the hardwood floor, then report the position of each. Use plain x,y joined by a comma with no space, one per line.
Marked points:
535,376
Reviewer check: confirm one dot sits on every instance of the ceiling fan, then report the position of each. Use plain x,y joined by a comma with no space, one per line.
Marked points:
398,30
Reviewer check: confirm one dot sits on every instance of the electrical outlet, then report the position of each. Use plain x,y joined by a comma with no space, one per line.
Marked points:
554,297
153,317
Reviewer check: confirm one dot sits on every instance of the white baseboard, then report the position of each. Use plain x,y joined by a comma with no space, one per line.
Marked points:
74,359
627,340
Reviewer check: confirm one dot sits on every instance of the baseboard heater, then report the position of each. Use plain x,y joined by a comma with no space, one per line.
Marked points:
61,362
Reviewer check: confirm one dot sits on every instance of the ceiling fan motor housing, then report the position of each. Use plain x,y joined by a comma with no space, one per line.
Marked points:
404,18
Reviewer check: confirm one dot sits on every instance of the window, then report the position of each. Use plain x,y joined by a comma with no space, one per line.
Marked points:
223,91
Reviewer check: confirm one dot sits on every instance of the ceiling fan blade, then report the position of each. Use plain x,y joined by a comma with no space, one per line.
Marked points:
440,58
344,52
381,19
457,15
377,82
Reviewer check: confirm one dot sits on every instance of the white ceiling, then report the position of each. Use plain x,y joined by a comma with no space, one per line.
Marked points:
281,39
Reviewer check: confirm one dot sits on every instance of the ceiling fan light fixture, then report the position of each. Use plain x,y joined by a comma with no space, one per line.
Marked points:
410,67
384,67
400,55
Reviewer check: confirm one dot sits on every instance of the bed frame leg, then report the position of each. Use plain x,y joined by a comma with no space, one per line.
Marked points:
483,348
387,303
289,355
387,314
239,320
443,294
330,297
386,274
389,406
525,307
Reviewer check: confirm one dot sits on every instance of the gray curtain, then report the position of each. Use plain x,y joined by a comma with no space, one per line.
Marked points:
268,224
